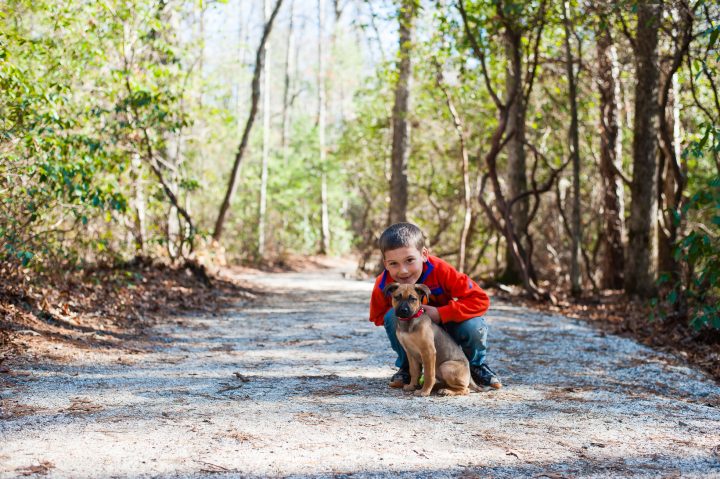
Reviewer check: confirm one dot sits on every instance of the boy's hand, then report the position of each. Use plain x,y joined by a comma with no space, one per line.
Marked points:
432,312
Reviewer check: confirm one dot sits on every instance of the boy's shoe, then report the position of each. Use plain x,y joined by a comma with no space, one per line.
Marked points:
484,376
400,378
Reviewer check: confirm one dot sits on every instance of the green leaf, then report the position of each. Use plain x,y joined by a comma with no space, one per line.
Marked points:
704,139
713,37
697,322
25,257
716,322
677,218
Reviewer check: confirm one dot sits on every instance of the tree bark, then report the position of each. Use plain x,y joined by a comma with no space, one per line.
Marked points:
573,136
672,178
516,159
243,43
232,185
266,140
608,82
285,130
640,265
401,126
139,204
324,246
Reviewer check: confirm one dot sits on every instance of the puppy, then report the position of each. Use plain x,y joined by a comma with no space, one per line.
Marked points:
426,343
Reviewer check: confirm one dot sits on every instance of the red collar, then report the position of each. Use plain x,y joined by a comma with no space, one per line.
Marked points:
420,312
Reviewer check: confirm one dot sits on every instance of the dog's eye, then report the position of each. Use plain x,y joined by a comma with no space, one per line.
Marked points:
411,299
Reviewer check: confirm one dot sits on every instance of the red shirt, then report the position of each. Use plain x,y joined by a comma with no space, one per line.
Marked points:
455,295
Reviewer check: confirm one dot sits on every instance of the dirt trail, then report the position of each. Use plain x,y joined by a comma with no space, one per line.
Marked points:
295,385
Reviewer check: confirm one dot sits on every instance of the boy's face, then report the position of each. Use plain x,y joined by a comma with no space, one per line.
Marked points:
405,264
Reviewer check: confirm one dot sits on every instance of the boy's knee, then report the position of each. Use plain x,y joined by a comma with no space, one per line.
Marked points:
475,329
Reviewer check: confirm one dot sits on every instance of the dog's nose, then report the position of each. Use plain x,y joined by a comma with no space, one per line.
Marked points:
403,311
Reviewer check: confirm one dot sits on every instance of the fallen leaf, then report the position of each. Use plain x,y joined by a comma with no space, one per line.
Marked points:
43,468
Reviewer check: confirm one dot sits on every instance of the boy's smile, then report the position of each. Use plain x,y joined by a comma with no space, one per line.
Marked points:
405,264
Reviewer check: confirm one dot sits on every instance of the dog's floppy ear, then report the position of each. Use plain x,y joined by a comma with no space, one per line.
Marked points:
390,288
423,290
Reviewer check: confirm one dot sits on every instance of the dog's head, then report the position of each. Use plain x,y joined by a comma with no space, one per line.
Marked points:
407,299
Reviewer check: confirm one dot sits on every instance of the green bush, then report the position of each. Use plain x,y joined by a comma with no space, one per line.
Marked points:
696,296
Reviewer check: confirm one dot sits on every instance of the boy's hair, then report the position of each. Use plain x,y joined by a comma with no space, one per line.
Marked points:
401,235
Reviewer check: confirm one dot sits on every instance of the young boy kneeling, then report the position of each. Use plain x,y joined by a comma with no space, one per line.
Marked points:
456,302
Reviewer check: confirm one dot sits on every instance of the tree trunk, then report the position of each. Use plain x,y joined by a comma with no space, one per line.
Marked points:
575,286
266,141
400,124
285,130
232,185
324,246
668,187
672,177
201,59
516,160
243,43
640,265
338,101
608,81
139,204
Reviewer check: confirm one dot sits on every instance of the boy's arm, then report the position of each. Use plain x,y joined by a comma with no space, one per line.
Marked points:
470,299
378,305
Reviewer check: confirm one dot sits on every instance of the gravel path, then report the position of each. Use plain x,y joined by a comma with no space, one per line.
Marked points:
295,385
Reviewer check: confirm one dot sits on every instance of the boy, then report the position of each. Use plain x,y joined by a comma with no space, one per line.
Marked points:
456,302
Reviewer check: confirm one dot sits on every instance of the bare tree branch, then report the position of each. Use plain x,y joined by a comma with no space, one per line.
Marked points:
626,31
480,54
530,79
152,161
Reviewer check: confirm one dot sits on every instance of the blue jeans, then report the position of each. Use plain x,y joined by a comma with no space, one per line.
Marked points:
471,335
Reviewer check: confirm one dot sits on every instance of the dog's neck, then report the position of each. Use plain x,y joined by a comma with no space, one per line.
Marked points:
420,312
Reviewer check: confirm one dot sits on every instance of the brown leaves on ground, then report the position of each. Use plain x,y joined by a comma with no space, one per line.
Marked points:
104,305
80,405
42,469
616,314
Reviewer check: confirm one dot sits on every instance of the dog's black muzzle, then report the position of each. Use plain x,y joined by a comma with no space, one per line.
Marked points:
403,311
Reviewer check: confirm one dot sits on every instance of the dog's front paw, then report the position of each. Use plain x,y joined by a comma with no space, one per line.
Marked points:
409,387
423,392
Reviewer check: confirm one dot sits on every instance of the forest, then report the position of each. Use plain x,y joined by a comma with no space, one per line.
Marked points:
558,150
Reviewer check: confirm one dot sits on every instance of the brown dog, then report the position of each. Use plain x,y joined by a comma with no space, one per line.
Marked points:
426,343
